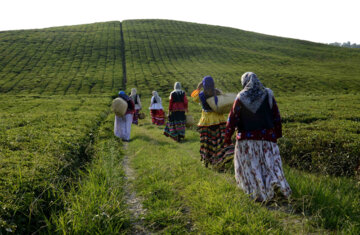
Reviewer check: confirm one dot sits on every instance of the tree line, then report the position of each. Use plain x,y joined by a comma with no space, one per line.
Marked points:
345,44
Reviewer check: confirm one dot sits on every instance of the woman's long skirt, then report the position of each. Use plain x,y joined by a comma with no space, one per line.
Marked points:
122,126
157,116
175,127
136,117
258,169
212,149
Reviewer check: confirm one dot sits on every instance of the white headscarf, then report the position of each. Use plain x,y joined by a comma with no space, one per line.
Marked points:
253,93
177,87
156,97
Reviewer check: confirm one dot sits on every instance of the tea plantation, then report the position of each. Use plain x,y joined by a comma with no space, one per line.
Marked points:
56,86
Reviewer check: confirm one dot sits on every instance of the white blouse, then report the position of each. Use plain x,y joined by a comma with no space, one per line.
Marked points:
155,105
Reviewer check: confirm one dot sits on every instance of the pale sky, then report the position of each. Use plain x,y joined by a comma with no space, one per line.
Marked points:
313,20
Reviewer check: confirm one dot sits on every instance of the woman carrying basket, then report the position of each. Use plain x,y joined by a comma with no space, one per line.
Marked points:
122,125
211,125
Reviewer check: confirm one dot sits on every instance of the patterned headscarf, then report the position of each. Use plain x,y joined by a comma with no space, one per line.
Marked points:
209,87
156,96
253,93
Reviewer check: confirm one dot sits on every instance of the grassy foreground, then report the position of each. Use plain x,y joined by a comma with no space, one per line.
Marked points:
182,196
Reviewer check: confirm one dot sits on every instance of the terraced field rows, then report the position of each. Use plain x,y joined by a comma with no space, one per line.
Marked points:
83,59
160,52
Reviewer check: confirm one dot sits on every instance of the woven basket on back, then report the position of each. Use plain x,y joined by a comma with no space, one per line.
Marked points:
119,107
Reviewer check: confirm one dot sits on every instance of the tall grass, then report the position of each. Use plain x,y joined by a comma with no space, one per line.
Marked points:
330,202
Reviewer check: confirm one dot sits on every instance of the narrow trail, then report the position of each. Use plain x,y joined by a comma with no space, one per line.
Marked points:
132,200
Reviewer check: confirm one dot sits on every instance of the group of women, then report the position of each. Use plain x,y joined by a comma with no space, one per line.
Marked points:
255,116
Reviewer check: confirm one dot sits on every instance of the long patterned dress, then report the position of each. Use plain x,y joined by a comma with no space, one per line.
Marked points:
257,161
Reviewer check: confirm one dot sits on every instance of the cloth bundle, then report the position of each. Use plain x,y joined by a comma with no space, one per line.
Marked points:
225,102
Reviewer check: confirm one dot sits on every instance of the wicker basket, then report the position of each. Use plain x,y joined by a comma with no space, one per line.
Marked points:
142,115
119,107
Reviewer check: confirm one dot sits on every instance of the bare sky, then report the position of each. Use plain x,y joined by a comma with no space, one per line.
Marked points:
313,20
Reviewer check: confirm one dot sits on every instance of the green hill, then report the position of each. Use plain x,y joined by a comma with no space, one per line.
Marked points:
56,86
89,59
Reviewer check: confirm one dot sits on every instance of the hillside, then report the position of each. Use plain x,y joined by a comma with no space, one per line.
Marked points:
63,171
89,59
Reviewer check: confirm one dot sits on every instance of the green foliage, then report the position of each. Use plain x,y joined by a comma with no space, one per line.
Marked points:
44,140
95,204
321,133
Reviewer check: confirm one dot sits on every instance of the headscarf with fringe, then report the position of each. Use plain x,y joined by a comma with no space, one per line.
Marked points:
253,93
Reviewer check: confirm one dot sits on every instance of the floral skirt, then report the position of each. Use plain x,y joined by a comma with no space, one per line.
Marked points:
136,117
258,169
175,127
157,116
212,149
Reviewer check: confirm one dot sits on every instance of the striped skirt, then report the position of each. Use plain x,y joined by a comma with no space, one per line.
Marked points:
157,116
175,127
212,148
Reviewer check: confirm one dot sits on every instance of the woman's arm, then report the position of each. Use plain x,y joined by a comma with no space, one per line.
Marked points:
232,121
277,119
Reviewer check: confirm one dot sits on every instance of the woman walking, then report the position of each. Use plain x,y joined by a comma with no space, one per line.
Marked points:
211,125
156,109
122,125
136,98
257,162
178,105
